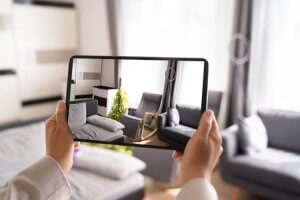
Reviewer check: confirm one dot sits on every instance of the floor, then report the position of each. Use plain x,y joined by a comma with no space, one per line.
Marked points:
152,140
158,191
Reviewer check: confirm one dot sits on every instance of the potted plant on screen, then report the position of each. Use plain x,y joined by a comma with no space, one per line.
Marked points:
119,106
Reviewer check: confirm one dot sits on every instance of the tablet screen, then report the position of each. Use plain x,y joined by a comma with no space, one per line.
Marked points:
151,102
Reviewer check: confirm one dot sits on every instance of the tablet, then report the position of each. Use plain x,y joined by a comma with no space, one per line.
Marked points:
151,102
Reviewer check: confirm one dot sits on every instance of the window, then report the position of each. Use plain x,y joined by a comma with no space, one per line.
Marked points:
279,67
189,83
139,76
183,28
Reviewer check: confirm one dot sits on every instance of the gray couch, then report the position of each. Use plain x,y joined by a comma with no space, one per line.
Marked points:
82,128
178,136
273,173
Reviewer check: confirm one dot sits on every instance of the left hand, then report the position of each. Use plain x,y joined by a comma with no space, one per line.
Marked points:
59,141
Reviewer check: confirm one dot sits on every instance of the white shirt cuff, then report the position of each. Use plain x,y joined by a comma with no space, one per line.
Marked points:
197,188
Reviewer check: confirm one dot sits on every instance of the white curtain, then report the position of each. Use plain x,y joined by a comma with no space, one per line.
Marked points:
275,59
188,88
182,28
139,76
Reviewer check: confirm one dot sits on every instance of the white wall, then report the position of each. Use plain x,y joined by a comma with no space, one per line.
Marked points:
9,92
45,39
94,34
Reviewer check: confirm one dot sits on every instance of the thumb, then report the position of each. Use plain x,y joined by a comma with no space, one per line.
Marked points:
205,125
61,113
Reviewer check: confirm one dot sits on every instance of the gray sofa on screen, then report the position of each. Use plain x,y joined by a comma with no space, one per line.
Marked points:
86,124
143,116
274,172
178,136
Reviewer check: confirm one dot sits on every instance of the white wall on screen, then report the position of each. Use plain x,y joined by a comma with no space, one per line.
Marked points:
83,87
108,73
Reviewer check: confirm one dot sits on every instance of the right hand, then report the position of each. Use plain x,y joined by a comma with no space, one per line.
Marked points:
202,151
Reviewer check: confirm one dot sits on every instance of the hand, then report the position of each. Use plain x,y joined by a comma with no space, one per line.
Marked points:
202,151
59,142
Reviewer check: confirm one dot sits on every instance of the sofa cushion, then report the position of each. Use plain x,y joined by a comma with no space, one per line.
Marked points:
19,148
283,128
93,132
77,115
252,134
108,163
274,168
173,117
91,107
189,115
106,123
180,133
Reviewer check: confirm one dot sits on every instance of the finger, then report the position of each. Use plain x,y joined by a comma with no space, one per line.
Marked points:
219,153
61,113
176,155
215,133
77,145
52,118
205,125
51,123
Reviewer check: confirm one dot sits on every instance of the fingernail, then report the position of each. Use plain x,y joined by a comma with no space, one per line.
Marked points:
58,105
210,115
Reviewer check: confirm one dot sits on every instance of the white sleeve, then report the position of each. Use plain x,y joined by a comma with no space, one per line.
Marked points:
197,189
43,180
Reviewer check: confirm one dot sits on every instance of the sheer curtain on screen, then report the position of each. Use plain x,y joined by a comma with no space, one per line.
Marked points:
275,57
139,76
182,28
189,83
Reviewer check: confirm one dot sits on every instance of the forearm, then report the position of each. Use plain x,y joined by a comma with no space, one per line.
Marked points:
197,188
43,180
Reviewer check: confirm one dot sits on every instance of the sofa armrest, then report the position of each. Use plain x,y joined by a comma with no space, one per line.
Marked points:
230,142
132,125
161,120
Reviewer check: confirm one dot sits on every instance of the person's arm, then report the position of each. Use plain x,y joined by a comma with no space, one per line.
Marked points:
45,180
199,159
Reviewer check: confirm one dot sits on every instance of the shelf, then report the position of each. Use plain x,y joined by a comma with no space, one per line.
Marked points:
62,4
5,72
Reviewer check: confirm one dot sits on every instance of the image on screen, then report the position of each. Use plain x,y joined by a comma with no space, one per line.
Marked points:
135,101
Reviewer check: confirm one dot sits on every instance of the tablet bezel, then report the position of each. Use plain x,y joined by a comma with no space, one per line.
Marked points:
204,89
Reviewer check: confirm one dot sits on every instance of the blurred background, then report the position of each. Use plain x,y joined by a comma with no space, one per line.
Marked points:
252,47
